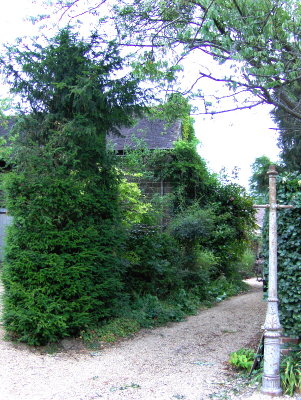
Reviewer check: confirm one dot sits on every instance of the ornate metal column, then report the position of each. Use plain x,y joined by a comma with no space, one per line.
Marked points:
272,327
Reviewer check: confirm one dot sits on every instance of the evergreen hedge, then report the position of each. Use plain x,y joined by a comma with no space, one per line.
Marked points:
62,270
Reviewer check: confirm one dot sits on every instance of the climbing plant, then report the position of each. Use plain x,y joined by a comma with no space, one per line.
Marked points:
196,193
289,256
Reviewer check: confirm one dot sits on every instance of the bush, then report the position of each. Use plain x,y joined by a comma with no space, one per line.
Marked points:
149,311
193,226
61,271
192,229
222,288
242,359
245,266
151,262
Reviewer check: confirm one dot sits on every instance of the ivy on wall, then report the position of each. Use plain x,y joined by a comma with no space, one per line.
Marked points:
289,252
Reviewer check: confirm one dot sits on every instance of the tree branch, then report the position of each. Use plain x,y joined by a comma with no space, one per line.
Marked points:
248,107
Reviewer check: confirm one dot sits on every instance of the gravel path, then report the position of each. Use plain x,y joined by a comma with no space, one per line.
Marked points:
182,361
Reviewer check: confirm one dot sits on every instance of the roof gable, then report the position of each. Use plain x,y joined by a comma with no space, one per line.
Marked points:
151,133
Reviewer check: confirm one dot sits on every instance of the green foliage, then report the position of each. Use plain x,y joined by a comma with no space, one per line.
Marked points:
245,265
242,359
205,215
234,221
259,181
192,229
289,245
187,171
110,331
83,247
151,262
193,225
134,210
175,108
5,106
290,373
259,39
188,133
221,288
62,269
289,130
149,311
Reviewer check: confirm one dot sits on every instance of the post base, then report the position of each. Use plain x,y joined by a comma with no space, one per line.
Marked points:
272,394
271,385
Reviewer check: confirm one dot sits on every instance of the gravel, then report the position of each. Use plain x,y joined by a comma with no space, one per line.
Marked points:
186,360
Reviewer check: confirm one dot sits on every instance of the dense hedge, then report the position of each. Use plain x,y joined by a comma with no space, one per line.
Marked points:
289,253
62,271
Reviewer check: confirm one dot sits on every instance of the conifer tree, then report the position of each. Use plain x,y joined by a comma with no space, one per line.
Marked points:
62,270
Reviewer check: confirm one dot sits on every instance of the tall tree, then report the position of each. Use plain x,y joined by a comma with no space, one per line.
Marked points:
62,271
289,129
259,181
259,41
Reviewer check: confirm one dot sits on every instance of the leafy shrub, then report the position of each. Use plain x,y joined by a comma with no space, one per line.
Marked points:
245,266
151,260
222,288
242,359
188,301
149,311
192,229
195,225
133,209
202,210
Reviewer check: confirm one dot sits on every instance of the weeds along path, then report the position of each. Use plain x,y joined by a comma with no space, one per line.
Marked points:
182,361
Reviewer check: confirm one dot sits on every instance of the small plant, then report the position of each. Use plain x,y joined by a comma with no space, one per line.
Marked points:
242,359
131,386
290,372
110,332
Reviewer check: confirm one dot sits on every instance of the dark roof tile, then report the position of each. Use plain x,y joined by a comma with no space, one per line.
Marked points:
150,133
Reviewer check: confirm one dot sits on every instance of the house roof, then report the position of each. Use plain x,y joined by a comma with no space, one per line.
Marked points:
150,133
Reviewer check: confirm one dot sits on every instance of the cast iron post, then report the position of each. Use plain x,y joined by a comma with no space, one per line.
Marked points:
272,327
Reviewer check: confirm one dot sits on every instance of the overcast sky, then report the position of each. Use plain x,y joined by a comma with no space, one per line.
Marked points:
236,139
228,140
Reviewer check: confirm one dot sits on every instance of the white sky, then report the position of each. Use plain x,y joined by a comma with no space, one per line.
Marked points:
227,140
236,139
